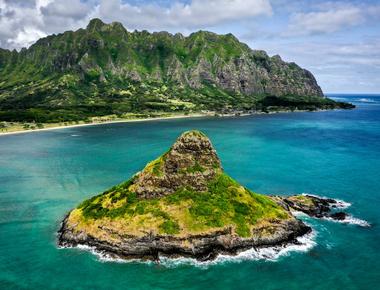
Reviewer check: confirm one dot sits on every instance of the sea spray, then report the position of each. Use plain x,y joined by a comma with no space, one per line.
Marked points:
350,220
339,203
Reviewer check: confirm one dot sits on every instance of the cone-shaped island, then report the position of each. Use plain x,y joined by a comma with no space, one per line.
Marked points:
181,204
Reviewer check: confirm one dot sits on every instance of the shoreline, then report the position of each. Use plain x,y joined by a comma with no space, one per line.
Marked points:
272,253
205,247
107,122
217,245
179,116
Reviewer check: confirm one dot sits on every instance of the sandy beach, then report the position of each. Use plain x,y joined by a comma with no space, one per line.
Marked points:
195,115
106,122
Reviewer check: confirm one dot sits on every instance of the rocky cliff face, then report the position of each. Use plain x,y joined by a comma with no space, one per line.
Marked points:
191,162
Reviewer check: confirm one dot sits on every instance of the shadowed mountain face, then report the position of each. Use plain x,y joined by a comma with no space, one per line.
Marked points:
105,69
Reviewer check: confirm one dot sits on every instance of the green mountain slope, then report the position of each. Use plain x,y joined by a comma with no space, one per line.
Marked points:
105,69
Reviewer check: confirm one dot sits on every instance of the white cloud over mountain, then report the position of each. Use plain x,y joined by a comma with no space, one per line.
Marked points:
22,22
193,15
330,17
324,21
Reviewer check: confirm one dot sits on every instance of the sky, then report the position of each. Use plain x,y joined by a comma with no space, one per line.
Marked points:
338,41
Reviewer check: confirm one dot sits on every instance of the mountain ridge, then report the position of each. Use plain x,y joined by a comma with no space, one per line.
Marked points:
105,69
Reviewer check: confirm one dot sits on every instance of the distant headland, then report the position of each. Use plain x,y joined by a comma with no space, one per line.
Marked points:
105,71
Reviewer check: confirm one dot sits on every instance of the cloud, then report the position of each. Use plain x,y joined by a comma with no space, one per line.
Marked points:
26,35
326,21
17,19
72,9
196,14
339,66
337,59
26,3
24,21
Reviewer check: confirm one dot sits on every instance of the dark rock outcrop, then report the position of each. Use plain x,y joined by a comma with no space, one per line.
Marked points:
313,206
191,162
340,216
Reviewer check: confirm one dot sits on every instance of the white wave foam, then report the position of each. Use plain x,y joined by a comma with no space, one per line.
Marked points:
350,220
339,98
314,195
297,213
365,100
303,244
342,204
103,257
339,203
74,135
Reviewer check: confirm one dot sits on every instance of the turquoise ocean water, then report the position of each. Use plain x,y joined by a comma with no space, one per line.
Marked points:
336,154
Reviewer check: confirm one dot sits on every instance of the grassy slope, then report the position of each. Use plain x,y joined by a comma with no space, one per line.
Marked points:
225,204
44,83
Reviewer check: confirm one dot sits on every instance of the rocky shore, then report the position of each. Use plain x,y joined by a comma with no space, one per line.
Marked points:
201,247
314,206
208,246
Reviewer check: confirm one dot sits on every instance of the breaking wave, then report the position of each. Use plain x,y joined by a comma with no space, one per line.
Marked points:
342,204
339,203
365,100
350,220
356,99
103,257
302,244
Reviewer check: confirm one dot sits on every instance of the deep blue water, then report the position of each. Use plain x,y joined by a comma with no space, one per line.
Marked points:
336,153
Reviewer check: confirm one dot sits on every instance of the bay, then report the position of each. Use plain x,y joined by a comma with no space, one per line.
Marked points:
333,153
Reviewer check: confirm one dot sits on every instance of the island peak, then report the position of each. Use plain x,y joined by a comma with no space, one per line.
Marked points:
191,162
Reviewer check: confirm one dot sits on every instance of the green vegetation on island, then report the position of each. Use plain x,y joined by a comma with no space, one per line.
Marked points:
182,203
196,197
225,203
